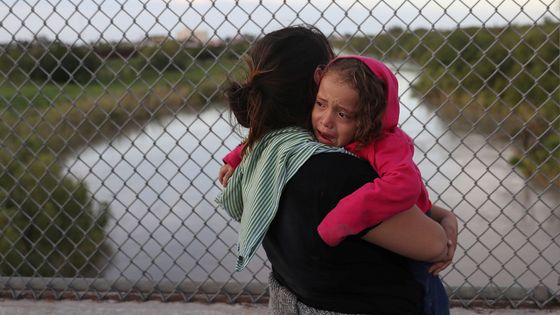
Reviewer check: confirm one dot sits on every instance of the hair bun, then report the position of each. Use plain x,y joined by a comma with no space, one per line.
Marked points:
238,99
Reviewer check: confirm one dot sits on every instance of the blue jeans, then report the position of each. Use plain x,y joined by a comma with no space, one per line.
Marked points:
436,301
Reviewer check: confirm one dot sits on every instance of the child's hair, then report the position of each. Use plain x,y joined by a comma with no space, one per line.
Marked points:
372,93
279,90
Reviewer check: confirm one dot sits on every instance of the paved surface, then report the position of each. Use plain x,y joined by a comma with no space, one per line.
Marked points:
31,307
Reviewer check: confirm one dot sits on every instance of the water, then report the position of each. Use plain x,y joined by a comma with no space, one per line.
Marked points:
160,183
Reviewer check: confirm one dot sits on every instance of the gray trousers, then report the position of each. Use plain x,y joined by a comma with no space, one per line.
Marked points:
283,302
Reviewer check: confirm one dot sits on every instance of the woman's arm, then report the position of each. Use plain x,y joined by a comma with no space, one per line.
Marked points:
411,234
449,223
447,220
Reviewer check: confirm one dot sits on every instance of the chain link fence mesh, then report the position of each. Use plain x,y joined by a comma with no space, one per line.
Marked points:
113,127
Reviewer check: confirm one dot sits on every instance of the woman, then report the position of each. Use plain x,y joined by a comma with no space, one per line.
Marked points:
279,173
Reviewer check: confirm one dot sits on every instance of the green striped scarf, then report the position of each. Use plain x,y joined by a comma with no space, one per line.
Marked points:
253,191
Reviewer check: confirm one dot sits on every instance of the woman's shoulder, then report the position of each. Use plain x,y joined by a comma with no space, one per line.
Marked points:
335,168
338,160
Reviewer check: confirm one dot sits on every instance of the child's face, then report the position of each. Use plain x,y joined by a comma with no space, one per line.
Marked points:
334,114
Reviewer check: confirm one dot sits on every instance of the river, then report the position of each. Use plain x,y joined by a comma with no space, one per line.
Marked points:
160,184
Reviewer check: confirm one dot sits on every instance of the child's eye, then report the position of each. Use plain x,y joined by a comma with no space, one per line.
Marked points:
344,115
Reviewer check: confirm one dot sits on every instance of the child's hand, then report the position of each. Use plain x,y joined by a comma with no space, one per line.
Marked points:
449,224
225,173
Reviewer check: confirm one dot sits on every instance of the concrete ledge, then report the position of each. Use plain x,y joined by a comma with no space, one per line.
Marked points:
230,292
122,285
31,307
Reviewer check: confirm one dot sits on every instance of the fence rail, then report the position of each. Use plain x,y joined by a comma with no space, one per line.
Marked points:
113,126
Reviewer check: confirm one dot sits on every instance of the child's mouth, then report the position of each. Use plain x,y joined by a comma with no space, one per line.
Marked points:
323,138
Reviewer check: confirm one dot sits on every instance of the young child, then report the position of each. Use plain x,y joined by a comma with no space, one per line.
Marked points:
357,107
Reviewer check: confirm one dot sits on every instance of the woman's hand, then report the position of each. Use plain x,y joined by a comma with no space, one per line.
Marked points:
225,173
449,223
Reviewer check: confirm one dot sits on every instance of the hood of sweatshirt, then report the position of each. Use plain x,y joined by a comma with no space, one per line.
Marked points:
391,116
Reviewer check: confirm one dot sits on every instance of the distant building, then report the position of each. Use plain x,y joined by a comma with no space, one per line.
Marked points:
154,40
192,38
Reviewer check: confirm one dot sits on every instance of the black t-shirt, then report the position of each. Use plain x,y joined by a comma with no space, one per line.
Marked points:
354,277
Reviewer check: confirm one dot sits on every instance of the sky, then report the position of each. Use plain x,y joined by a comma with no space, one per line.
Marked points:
86,21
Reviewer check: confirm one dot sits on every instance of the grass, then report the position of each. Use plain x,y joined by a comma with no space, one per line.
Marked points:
115,78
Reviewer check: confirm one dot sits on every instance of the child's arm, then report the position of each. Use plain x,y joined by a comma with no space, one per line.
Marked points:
234,157
397,188
231,161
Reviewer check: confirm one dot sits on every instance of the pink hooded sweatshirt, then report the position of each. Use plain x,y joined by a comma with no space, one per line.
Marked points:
399,185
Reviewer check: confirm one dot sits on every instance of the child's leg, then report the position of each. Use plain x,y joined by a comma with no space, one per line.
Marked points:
435,299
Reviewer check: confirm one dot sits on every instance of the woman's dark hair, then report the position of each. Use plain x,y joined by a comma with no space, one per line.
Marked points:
372,94
279,90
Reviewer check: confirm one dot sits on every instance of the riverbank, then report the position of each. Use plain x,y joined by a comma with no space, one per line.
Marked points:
533,139
34,185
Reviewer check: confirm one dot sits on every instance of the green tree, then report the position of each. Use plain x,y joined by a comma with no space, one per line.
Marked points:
50,225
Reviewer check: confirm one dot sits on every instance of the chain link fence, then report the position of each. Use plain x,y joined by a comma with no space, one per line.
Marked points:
113,127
